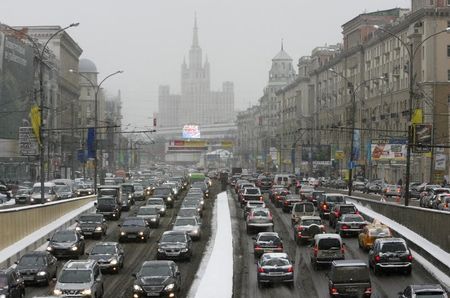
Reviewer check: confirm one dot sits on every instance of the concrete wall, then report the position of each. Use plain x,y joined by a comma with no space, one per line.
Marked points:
433,225
17,223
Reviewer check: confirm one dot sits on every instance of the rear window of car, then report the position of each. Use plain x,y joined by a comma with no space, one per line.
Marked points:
304,208
252,191
352,218
350,274
348,209
393,246
379,232
329,243
335,199
276,262
269,238
260,213
308,222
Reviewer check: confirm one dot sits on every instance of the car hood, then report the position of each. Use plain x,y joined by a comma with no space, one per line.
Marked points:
132,229
89,224
147,216
62,244
155,280
72,286
184,228
31,268
102,257
165,245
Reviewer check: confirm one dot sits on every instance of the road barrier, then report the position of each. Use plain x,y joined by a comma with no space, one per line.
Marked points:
19,223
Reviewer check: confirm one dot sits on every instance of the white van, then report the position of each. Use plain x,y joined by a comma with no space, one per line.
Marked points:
283,179
49,193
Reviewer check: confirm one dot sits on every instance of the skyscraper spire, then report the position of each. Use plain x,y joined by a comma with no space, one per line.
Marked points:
195,37
282,44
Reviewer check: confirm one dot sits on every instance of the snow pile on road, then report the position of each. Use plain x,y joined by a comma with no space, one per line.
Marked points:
216,280
4,202
15,248
433,249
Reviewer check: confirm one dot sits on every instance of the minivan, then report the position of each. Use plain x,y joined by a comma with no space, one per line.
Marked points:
325,249
49,193
283,179
349,278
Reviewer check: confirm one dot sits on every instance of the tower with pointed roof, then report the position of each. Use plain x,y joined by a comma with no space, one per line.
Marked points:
196,104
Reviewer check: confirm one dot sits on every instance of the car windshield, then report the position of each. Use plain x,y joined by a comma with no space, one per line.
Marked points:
32,260
329,243
173,238
65,236
138,188
3,281
185,222
161,191
347,209
430,294
75,276
62,188
252,191
352,218
155,270
269,238
127,188
22,191
87,218
352,274
335,199
103,250
107,192
187,212
304,208
147,211
106,201
378,232
133,223
276,262
260,213
393,247
37,189
155,202
308,222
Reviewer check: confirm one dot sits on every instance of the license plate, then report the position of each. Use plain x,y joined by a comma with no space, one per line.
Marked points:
153,294
355,226
276,273
394,259
28,277
87,233
131,236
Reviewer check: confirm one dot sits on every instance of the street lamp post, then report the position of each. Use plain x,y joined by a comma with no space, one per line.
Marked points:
97,90
412,51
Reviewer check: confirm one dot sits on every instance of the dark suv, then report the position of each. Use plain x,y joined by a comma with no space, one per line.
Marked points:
338,211
11,284
37,267
109,207
92,225
174,245
349,278
390,254
66,244
157,278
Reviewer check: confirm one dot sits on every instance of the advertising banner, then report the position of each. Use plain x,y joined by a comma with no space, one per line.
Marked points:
385,151
422,137
318,154
356,144
28,145
191,131
440,161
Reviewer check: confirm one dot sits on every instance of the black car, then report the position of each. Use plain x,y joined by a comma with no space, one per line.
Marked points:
289,201
134,228
349,278
267,242
11,284
66,244
37,267
390,254
150,214
174,245
165,193
275,267
157,278
63,192
92,225
23,196
109,256
109,207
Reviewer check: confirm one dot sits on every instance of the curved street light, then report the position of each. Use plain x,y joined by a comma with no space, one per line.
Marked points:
97,90
353,91
412,51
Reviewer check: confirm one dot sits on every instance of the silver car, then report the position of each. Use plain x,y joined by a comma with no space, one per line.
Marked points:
259,218
159,204
190,225
150,214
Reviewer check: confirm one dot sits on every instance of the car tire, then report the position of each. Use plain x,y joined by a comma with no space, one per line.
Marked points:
376,270
291,284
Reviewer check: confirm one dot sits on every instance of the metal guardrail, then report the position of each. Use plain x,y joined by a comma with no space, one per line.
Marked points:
18,223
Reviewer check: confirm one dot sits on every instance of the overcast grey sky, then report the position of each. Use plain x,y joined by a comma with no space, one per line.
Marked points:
149,38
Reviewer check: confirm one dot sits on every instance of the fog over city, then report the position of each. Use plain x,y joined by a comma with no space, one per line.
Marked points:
149,39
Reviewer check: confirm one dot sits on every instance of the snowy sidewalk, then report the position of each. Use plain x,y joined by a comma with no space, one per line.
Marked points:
433,249
216,280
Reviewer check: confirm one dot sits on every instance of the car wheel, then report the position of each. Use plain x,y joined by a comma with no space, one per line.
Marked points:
291,284
376,270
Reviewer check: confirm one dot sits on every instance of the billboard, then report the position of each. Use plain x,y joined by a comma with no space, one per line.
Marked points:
388,150
191,131
16,84
422,137
318,154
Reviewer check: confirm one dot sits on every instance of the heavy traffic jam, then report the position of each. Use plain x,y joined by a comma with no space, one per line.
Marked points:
148,231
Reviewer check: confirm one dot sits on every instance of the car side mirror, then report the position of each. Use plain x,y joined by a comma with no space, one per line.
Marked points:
82,237
177,273
87,253
95,203
76,220
16,262
48,239
134,275
119,225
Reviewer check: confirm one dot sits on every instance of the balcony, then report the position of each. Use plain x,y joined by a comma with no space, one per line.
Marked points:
394,115
382,117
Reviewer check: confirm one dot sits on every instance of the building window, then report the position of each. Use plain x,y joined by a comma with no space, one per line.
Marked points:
448,49
448,75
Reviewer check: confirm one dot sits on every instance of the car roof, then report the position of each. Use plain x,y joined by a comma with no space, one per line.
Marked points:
79,264
268,234
384,240
420,288
345,263
327,236
271,255
306,217
175,233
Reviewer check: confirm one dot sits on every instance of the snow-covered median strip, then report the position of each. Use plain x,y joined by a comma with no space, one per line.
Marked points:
433,249
17,247
215,276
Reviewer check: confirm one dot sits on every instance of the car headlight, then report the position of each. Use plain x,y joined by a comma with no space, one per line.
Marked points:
77,229
78,193
153,219
32,200
129,196
137,288
57,292
48,199
89,192
169,199
74,248
2,296
169,287
195,231
184,250
141,233
122,233
160,250
114,262
86,292
41,273
98,228
163,209
49,248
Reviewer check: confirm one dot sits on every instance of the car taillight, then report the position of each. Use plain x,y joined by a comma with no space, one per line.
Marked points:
368,291
260,270
280,245
323,228
316,250
342,249
299,228
344,227
324,206
290,269
278,197
270,215
257,247
286,203
377,259
410,258
334,291
260,198
337,214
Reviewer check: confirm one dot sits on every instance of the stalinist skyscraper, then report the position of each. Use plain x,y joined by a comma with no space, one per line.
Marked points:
196,104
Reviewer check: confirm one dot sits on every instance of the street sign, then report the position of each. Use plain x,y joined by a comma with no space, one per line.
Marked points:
28,144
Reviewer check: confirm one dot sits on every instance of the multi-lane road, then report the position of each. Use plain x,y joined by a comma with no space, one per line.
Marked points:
308,282
120,285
